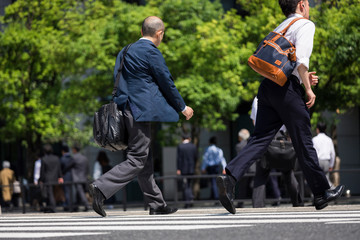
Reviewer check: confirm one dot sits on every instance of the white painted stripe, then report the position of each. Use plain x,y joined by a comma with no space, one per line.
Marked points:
174,222
141,224
23,235
345,222
203,218
121,228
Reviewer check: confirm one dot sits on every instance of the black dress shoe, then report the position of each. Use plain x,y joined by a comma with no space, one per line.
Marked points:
98,200
162,210
321,202
226,189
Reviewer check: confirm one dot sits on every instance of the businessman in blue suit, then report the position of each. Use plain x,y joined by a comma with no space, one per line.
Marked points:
146,94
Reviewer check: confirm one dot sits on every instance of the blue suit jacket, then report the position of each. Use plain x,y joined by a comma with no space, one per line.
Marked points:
147,85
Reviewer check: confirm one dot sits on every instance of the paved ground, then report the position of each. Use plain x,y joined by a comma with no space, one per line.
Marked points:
334,222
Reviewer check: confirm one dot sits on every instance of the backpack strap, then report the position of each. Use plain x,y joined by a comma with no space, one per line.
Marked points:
291,23
119,71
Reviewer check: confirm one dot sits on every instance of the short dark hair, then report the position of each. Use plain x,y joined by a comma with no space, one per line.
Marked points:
321,126
65,148
185,135
151,25
212,140
48,149
288,6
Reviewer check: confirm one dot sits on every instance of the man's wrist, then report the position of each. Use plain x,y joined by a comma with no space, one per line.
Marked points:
184,109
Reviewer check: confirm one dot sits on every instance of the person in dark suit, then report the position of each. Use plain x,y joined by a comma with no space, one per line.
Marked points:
146,94
67,164
50,173
79,175
286,104
186,158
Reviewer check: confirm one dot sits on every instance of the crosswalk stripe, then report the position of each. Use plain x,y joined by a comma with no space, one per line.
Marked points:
187,216
76,225
23,235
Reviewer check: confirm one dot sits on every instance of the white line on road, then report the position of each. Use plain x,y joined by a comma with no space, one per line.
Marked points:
23,235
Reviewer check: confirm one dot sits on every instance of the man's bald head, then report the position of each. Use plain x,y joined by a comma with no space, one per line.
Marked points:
151,25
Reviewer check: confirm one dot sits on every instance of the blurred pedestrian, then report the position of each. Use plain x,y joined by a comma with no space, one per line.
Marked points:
146,94
245,185
36,193
67,166
325,150
79,175
7,179
213,163
186,157
101,160
50,175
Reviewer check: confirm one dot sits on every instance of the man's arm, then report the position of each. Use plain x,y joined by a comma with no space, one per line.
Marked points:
305,77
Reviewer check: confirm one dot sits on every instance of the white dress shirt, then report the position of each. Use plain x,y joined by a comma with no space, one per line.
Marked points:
301,34
324,147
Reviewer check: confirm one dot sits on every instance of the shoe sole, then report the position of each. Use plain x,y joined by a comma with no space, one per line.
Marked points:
224,199
94,206
156,213
324,205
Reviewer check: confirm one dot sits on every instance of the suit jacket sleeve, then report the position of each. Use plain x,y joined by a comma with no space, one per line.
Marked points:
164,80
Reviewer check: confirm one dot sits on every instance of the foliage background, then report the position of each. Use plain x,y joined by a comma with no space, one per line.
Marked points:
57,57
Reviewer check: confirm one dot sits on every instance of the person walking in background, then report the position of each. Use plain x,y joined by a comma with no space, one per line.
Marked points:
285,105
50,174
79,175
7,179
146,94
187,155
213,159
246,184
325,150
67,164
102,161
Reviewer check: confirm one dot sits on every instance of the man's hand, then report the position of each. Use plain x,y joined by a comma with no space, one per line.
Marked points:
314,80
178,172
188,112
310,97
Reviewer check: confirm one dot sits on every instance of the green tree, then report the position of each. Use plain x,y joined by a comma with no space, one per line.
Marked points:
56,62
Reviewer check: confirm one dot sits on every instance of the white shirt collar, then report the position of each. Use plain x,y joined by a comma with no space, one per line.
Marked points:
145,39
295,15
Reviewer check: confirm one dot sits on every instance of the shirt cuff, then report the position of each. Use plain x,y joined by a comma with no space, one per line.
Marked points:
305,61
184,109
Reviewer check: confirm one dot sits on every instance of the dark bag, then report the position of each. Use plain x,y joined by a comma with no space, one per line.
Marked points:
109,128
275,57
279,155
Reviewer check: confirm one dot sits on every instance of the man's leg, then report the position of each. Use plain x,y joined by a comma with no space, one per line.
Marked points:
136,157
150,189
81,192
296,117
293,188
267,125
259,193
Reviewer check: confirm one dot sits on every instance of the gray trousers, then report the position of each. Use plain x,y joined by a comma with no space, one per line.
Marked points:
138,163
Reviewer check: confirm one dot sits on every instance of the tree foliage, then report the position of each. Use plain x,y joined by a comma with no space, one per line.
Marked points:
57,58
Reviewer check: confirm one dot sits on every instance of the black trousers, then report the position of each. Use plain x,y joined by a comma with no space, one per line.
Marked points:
277,106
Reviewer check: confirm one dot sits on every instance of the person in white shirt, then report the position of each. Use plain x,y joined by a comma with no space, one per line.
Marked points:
287,105
325,150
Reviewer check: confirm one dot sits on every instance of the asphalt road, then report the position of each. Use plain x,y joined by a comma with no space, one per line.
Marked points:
334,222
